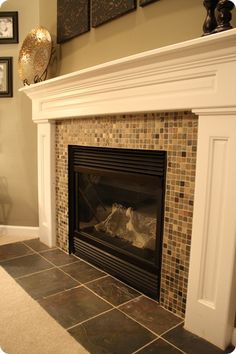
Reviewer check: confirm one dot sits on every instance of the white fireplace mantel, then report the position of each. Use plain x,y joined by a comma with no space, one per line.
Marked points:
197,75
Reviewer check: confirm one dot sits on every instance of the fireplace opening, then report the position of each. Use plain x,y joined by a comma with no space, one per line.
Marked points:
116,207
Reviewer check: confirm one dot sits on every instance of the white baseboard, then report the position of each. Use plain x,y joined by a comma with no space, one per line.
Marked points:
19,231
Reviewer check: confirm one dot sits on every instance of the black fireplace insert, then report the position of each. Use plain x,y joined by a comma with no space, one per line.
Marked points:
116,207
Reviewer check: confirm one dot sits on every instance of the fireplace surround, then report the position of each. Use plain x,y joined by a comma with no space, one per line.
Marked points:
197,76
173,132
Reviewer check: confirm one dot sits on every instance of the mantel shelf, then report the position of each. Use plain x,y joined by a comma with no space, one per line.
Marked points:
190,75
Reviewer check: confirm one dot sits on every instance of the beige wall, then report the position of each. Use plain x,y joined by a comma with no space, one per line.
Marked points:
18,170
159,24
162,23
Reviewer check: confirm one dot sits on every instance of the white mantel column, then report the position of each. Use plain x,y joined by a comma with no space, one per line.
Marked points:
46,182
211,300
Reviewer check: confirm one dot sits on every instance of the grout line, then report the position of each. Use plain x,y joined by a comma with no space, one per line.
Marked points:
23,255
29,247
150,330
28,275
138,350
59,268
69,276
91,318
170,329
44,251
113,306
91,281
172,313
37,272
126,285
126,302
173,345
54,265
59,292
51,249
150,298
91,265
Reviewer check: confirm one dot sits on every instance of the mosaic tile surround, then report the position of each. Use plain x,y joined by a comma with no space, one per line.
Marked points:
175,132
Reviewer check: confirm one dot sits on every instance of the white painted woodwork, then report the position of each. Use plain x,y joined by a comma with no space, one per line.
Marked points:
212,267
197,75
46,183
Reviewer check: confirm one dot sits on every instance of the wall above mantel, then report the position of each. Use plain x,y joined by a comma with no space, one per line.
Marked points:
162,23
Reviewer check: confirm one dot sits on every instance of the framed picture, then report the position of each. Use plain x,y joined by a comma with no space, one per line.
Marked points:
8,27
6,77
107,10
146,2
73,19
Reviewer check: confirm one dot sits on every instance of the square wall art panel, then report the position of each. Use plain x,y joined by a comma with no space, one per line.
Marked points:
146,2
73,19
107,10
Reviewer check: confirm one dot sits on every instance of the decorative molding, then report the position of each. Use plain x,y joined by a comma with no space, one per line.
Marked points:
213,219
46,183
193,74
211,304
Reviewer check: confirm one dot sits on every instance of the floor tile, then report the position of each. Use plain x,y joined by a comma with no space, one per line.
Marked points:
36,245
73,306
12,250
112,332
159,346
190,343
151,314
59,257
46,283
21,266
83,272
113,290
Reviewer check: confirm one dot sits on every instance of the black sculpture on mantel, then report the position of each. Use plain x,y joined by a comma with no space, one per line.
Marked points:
210,22
224,8
222,23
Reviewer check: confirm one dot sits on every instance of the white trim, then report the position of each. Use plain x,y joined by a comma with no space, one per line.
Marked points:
210,304
46,183
193,74
21,231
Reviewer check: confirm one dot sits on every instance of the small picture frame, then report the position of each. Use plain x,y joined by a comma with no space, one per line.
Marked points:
9,27
6,86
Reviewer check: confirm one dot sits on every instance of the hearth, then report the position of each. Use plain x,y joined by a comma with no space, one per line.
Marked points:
116,205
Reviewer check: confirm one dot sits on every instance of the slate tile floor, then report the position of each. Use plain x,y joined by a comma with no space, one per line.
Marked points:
100,312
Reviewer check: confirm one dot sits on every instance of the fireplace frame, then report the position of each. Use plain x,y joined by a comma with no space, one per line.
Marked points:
197,75
134,164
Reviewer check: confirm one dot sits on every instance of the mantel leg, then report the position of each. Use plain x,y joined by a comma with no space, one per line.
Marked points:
211,299
46,183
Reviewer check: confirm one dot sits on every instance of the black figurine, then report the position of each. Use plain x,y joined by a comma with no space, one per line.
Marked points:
224,17
210,22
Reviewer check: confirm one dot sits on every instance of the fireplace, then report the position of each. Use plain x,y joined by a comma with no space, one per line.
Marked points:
197,76
116,206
